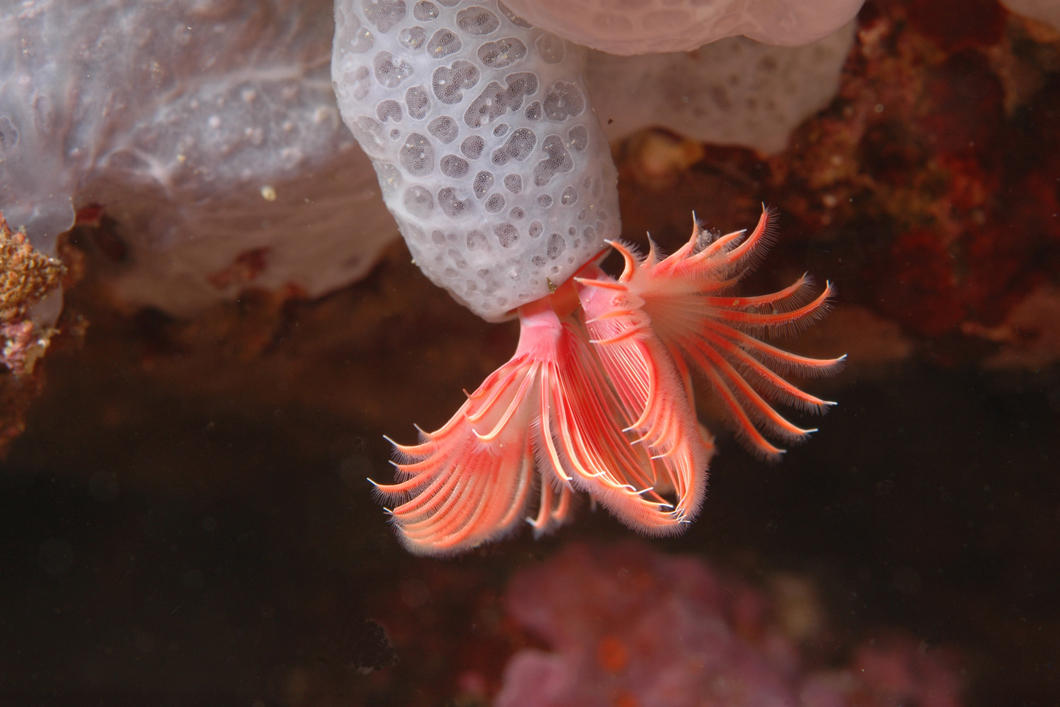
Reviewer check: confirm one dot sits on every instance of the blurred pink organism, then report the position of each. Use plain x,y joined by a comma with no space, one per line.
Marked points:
897,670
630,627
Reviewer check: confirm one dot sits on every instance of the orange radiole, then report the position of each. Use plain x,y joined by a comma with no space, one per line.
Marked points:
599,399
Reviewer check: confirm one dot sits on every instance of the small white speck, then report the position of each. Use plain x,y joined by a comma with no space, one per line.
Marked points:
268,192
255,135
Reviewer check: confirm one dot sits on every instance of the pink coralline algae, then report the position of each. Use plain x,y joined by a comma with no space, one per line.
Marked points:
629,627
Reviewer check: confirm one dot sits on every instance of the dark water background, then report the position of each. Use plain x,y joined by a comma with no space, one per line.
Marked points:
163,544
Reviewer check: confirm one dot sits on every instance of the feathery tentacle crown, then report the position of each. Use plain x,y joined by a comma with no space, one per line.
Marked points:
600,399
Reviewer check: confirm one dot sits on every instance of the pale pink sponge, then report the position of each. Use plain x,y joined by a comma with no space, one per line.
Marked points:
644,26
1044,11
731,92
628,626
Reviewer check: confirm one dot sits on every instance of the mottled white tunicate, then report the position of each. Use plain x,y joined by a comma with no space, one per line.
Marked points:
206,129
648,26
484,140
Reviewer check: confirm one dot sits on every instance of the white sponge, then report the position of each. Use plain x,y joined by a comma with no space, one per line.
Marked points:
487,148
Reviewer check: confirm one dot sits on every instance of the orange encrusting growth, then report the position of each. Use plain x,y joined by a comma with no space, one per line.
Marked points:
599,398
